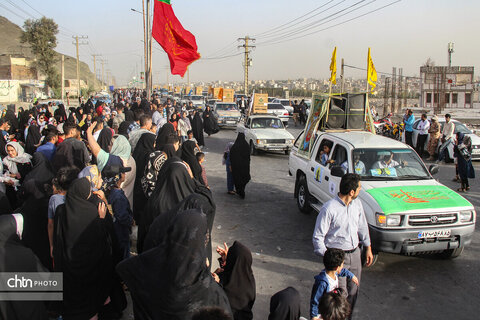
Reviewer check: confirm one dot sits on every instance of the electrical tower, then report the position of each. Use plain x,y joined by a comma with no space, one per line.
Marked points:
247,62
78,59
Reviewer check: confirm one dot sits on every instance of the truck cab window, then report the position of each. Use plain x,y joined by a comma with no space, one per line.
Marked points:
324,152
340,157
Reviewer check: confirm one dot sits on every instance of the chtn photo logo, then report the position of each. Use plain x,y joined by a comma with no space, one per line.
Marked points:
16,282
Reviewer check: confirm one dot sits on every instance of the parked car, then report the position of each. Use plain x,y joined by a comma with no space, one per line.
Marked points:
267,133
459,127
286,103
279,110
227,114
407,210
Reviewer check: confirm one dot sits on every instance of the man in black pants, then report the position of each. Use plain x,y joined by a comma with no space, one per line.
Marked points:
423,127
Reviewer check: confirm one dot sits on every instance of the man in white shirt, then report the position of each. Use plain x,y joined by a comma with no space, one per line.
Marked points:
447,136
422,128
387,162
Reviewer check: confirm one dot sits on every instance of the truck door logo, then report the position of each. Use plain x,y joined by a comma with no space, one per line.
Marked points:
318,173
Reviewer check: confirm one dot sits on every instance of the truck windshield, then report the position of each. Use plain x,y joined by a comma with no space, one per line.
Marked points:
226,107
388,164
196,98
264,123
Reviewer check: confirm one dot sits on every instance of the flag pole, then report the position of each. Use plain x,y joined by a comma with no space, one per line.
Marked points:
329,98
366,96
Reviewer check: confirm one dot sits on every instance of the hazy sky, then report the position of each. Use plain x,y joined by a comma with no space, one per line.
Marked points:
404,34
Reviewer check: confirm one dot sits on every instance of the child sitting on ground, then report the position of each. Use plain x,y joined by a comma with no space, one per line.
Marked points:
327,280
201,158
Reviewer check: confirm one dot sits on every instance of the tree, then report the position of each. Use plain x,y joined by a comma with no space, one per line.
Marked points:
429,63
41,34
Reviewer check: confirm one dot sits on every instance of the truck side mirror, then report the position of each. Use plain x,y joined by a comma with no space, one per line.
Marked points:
338,171
433,169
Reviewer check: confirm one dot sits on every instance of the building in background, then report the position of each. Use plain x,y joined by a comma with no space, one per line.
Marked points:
444,87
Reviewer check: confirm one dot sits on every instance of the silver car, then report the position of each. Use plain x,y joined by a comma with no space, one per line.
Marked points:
459,127
278,110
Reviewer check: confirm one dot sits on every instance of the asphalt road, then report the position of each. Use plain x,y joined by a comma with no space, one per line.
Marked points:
279,236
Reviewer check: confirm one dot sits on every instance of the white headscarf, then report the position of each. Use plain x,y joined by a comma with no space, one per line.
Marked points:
19,220
22,157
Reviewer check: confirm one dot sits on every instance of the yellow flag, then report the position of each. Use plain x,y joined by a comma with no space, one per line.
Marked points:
371,72
333,67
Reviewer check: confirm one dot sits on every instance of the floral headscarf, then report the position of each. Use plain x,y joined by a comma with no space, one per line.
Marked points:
93,176
155,163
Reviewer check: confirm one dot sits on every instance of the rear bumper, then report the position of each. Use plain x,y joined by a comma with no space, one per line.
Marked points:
406,241
228,123
273,148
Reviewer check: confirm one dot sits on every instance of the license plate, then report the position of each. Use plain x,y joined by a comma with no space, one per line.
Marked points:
434,234
231,122
476,151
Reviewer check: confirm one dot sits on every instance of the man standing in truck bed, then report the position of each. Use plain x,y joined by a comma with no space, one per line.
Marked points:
341,224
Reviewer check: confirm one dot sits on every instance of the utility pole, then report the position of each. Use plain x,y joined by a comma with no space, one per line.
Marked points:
168,81
63,76
385,97
342,78
394,87
95,64
400,88
78,59
247,61
405,93
103,65
148,46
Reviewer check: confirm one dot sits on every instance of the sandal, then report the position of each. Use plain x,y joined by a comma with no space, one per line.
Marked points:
461,190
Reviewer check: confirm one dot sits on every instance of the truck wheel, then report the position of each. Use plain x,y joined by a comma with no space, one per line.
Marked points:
253,150
451,253
303,196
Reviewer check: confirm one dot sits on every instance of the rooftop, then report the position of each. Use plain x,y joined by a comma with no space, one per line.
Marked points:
364,139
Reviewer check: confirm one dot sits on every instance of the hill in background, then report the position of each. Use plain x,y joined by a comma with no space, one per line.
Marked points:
10,45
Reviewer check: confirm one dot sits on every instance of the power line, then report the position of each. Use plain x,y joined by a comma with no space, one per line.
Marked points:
335,25
321,21
18,8
285,26
222,57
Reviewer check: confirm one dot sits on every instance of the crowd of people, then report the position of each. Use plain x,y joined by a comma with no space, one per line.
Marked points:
440,140
73,184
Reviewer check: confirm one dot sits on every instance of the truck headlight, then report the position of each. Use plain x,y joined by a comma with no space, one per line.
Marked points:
466,216
261,141
290,141
392,220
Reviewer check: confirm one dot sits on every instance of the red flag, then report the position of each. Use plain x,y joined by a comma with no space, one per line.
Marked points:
178,43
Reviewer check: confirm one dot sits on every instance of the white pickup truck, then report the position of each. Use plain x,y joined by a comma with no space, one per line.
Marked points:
407,210
267,133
